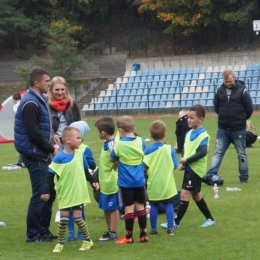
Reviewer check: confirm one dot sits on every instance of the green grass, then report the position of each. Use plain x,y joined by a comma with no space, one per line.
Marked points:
236,235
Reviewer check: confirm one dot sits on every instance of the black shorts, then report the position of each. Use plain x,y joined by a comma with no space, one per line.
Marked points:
132,195
191,181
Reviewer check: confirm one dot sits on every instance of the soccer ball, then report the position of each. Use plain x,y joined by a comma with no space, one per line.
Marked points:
211,180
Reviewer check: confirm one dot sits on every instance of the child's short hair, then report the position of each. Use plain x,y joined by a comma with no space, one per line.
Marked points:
106,124
68,132
199,110
126,123
183,113
16,96
157,129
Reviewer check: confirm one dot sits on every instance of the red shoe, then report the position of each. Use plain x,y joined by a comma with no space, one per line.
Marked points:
143,239
124,240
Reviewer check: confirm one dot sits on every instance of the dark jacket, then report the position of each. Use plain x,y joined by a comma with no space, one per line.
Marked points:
233,112
32,127
72,115
182,128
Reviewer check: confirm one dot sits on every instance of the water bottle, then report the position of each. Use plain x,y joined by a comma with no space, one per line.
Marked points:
147,209
233,189
14,167
215,190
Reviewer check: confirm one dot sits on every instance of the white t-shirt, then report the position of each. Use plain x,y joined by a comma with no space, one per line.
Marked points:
15,107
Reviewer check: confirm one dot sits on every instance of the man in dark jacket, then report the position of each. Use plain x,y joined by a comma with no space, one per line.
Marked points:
33,132
233,104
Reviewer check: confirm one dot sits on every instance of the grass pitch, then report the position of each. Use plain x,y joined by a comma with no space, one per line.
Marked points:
235,236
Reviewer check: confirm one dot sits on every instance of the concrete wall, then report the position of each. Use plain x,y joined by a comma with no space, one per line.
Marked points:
192,61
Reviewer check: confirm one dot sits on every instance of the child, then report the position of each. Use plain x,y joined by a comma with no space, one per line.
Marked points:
182,128
109,196
83,128
129,151
160,160
69,171
17,99
194,162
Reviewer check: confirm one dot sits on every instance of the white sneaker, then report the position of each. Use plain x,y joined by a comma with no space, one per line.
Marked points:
2,224
164,225
208,223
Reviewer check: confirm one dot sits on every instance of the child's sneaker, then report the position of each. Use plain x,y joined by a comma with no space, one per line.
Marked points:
143,239
124,240
108,237
170,231
86,245
208,223
153,232
58,248
70,238
164,225
176,226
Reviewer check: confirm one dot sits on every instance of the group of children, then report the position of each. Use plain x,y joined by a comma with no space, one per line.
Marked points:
121,177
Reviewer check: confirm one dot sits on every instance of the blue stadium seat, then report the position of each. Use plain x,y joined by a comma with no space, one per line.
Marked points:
131,80
150,79
139,92
151,73
104,106
249,73
170,97
129,105
175,104
197,96
183,71
143,79
170,72
200,82
151,98
208,75
138,79
183,103
144,98
186,83
119,99
172,90
142,85
214,75
106,100
249,67
255,80
159,91
174,84
123,86
135,85
203,70
133,92
207,82
257,101
129,85
190,70
163,97
220,82
183,96
122,106
211,95
175,77
157,98
204,95
160,84
253,86
256,67
196,70
255,73
143,105
165,90
125,99
188,77
162,77
164,72
121,92
154,85
162,104
182,77
145,73
241,74
189,103
195,76
253,94
190,96
139,73
131,98
167,84
152,91
236,73
136,105
137,98
202,102
158,72
169,78
209,103
156,78
155,104
112,99
110,106
177,71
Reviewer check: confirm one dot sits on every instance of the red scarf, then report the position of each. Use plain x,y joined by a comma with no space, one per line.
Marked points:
59,105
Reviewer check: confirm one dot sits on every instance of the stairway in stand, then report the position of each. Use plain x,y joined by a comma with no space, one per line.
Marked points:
103,86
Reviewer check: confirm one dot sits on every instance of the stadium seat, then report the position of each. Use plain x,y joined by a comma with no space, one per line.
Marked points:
192,89
155,104
176,97
133,92
175,78
172,90
150,78
208,75
257,101
160,84
253,86
136,105
157,97
169,78
145,73
122,106
139,92
163,78
163,97
229,67
106,100
211,95
174,84
202,102
110,106
154,85
255,80
159,91
183,96
125,80
131,99
111,86
125,99
137,98
127,74
222,68
200,82
143,79
131,80
256,67
170,72
190,71
143,105
216,69
165,90
207,82
144,98
250,67
129,85
243,67
139,73
186,83
164,72
119,80
129,105
185,89
204,95
158,72
241,74
162,104
209,103
188,77
167,84
195,76
175,104
152,91
236,68
214,75
197,96
182,77
151,73
201,76
156,78
199,89
253,94
209,69
249,73
177,71
137,79
190,96
255,73
168,104
193,83
142,85
170,97
203,70
135,86
189,103
183,71
150,97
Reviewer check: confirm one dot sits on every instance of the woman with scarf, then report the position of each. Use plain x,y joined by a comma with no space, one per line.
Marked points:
64,110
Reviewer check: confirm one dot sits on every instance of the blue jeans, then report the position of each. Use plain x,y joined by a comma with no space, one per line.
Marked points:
223,140
39,212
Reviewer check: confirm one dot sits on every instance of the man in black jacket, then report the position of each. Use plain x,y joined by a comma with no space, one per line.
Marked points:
233,104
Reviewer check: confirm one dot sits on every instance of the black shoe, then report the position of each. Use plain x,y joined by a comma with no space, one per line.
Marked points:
44,239
170,231
22,165
33,240
207,179
49,235
243,182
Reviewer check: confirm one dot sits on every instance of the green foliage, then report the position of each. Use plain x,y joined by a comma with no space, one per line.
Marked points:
94,49
23,71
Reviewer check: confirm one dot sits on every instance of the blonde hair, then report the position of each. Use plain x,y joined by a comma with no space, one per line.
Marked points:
60,80
68,131
227,73
126,123
183,113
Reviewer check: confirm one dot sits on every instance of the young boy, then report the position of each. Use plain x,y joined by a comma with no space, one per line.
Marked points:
159,161
83,128
129,151
194,162
107,175
69,171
